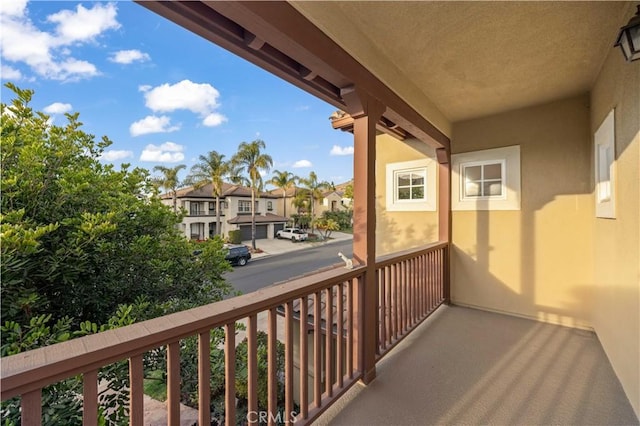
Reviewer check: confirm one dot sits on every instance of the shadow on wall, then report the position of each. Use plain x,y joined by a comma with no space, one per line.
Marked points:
392,236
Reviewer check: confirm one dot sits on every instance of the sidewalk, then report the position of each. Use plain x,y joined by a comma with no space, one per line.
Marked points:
274,246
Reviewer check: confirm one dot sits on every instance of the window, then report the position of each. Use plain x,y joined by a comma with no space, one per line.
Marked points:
196,209
411,186
269,205
486,180
483,180
212,206
244,206
604,141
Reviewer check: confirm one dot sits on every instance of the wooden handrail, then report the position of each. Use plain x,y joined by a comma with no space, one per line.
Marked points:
400,256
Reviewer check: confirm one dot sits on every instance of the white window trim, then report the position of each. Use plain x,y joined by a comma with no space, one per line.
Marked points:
604,141
428,166
509,200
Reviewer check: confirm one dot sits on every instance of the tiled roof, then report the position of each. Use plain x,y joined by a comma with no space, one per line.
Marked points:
206,191
268,218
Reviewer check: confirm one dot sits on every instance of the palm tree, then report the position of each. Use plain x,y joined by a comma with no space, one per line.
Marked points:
211,169
250,161
283,180
315,189
169,181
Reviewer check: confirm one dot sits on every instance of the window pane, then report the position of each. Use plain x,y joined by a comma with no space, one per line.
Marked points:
492,188
417,193
493,171
404,179
404,193
417,179
471,189
472,173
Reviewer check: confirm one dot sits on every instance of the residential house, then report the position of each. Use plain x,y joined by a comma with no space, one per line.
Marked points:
526,116
332,200
199,222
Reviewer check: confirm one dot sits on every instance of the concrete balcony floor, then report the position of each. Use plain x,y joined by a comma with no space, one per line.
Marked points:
466,366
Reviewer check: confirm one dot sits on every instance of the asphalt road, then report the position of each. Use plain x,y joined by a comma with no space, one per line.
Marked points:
263,272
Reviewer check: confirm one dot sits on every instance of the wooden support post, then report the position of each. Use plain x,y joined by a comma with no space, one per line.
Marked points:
444,214
366,111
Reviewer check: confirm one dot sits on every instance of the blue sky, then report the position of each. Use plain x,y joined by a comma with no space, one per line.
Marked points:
163,95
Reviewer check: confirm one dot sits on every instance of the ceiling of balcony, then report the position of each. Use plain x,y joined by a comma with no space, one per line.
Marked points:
455,61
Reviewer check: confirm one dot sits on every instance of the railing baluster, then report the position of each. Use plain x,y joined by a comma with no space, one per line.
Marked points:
388,318
304,358
340,335
328,351
173,383
89,398
31,407
252,369
136,391
381,308
204,378
350,323
230,373
288,362
272,367
317,350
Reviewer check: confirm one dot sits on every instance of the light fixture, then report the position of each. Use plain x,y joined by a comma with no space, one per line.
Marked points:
629,38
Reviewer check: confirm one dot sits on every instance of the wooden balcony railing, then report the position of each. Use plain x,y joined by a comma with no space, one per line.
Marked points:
326,349
411,285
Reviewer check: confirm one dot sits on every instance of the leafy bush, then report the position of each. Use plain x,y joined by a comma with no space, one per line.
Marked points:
235,236
342,218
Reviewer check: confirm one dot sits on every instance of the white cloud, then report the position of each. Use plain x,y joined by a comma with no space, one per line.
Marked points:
168,152
341,150
9,73
49,54
152,124
13,7
84,24
199,98
129,56
114,155
302,164
144,88
214,119
57,108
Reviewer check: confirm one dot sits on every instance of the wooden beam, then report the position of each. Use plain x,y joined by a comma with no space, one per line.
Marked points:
292,42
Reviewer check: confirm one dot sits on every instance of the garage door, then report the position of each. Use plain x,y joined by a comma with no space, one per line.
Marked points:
278,227
261,232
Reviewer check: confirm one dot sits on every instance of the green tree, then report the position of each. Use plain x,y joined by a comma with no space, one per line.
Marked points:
348,193
169,181
248,163
315,191
83,247
211,169
327,226
283,180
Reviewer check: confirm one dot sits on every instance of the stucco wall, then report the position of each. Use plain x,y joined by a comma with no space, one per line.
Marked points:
531,262
616,249
397,230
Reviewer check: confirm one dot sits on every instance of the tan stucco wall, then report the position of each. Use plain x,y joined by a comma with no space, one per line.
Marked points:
531,262
616,249
397,231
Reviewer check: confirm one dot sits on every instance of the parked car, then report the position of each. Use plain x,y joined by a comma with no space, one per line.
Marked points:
293,234
238,254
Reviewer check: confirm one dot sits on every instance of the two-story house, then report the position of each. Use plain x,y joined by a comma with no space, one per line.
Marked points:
200,218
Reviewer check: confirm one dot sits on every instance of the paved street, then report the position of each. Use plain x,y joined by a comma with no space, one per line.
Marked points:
298,260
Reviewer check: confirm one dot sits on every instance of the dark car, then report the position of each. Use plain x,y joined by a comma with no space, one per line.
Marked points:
238,254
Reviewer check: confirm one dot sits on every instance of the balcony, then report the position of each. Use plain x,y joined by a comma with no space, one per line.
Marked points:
459,366
409,286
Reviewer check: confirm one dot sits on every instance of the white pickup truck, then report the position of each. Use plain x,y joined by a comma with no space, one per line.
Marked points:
293,234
